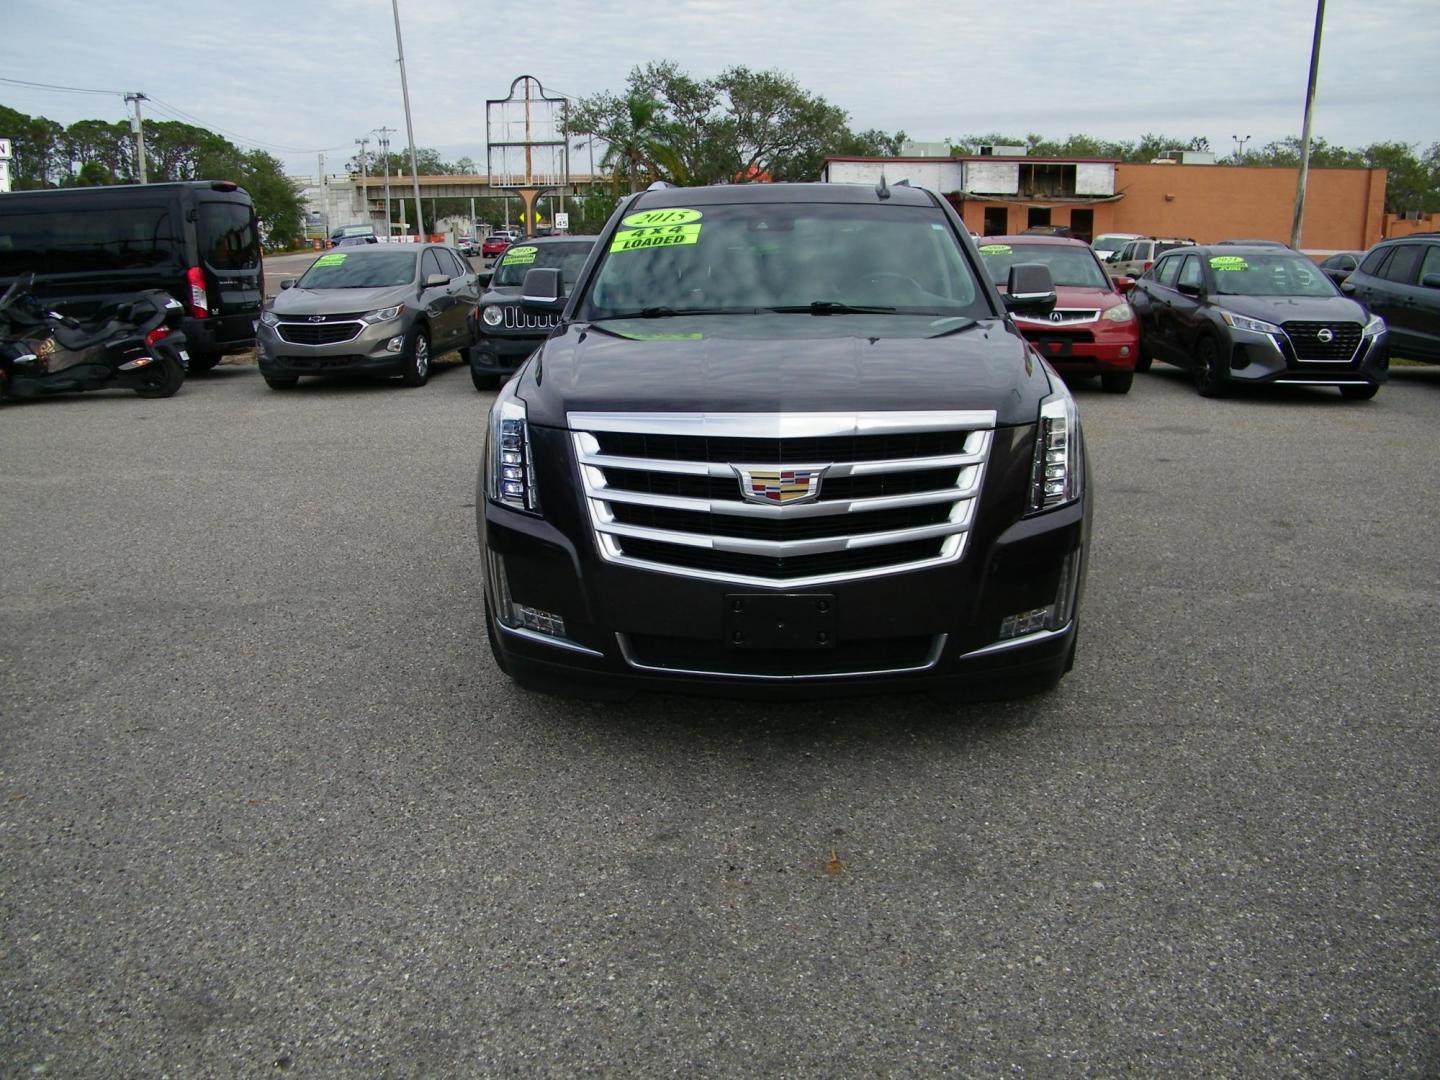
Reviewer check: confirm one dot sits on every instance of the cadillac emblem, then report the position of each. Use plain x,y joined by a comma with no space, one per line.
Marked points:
780,487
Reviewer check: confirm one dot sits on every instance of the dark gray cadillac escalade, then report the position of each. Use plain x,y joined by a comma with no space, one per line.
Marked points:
784,439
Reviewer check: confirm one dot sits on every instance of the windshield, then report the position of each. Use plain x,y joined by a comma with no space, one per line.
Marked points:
1111,243
819,258
567,258
1068,265
1280,274
354,270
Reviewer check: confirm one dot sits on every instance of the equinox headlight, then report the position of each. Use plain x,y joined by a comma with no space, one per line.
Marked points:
509,467
1242,322
269,318
1121,312
1055,479
491,316
1374,327
384,314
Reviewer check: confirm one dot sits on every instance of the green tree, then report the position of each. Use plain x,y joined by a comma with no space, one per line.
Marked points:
38,154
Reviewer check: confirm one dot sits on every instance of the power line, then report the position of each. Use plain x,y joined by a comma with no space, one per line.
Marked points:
177,113
66,89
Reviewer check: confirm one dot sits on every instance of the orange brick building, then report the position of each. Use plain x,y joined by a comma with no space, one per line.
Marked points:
1344,208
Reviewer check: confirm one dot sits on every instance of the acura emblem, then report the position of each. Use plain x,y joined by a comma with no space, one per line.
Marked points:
1057,316
317,318
1326,335
780,487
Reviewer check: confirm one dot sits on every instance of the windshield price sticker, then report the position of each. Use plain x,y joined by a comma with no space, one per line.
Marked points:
1229,262
656,237
647,218
519,255
331,260
995,249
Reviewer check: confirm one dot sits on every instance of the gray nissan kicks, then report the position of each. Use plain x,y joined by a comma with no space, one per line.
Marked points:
382,309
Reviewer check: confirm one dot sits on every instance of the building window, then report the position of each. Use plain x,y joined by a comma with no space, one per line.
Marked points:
1039,215
1082,224
997,220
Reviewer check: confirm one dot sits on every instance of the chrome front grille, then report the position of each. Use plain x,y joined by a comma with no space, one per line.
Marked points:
518,319
1062,317
692,493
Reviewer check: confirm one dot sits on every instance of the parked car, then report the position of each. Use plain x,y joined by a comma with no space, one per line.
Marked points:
494,245
708,477
1252,243
467,246
1092,329
1250,315
356,241
508,334
1047,230
92,247
1109,243
1137,256
1340,265
1399,280
386,309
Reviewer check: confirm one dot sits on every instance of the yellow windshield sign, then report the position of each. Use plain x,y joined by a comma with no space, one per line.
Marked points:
516,255
995,249
1229,262
658,237
673,216
331,260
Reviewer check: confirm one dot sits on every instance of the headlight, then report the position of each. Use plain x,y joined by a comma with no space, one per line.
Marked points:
1241,322
269,318
491,316
1375,326
510,470
384,314
1121,312
1055,479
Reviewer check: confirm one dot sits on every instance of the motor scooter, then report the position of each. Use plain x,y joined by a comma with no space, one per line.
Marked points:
131,344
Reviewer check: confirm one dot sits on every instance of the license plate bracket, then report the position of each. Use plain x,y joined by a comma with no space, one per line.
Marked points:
780,620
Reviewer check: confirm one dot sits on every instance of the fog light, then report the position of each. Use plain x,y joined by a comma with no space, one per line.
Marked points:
1026,622
1124,350
396,343
515,615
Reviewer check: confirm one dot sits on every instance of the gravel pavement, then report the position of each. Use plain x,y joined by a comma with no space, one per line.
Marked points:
267,805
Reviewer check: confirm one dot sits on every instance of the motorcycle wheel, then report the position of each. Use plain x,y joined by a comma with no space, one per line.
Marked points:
165,381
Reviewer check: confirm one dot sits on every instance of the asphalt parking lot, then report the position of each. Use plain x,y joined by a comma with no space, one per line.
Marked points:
266,804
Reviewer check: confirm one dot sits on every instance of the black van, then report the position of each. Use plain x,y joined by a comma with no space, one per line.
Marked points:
198,240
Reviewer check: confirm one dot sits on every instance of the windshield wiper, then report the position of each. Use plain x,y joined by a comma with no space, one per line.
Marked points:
666,312
832,307
965,324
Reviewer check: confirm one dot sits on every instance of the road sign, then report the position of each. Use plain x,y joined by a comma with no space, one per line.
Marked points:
562,222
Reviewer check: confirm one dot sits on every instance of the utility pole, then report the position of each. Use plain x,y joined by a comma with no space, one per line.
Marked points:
137,125
1240,148
383,138
364,181
1304,173
409,124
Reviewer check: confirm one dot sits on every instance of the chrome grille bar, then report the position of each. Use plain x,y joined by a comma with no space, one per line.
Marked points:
959,490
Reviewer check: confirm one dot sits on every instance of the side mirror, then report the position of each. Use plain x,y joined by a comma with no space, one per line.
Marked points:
1348,287
1431,281
1029,290
1188,289
542,291
484,277
432,280
1123,283
288,283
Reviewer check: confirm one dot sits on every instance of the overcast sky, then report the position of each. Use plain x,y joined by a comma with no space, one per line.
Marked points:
296,76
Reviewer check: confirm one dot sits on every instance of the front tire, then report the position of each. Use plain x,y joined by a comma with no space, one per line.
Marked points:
417,358
203,362
1208,375
1359,393
165,382
1143,362
1117,382
282,382
484,381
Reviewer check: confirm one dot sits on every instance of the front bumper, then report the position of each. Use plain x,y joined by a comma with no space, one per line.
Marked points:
935,629
501,354
376,349
1094,348
1272,359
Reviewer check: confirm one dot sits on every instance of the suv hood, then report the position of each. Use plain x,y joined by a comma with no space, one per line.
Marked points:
340,301
680,367
1279,309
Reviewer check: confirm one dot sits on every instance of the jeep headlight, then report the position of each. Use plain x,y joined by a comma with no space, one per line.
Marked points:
1055,479
509,466
491,315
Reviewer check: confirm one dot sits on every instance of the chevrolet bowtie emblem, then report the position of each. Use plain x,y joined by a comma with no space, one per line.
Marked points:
780,486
